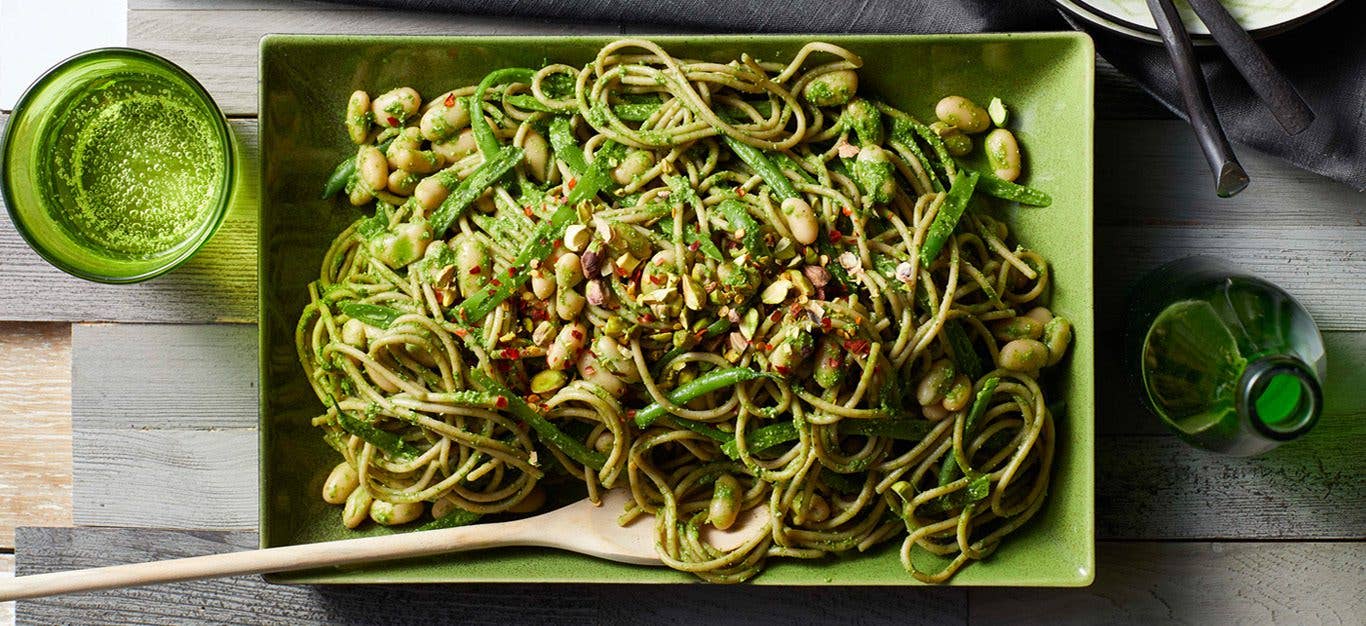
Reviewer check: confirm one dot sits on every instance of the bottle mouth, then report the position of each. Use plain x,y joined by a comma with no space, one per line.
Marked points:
1281,397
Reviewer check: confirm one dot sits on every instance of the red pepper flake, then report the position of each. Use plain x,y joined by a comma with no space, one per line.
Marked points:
527,211
776,315
495,282
740,192
857,346
578,334
835,236
847,211
572,183
512,272
766,347
392,121
657,279
781,369
476,270
826,323
647,318
501,402
590,370
533,399
511,353
631,414
460,332
450,100
692,247
832,362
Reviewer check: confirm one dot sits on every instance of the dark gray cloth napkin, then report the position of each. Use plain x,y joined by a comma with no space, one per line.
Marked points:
1326,58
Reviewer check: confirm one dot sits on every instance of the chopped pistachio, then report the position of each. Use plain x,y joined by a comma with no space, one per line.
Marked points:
775,292
548,380
576,237
693,297
997,110
749,323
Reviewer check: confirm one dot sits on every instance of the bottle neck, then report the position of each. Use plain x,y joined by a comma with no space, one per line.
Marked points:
1280,397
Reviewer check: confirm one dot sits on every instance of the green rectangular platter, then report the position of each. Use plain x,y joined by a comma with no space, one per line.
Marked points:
1045,78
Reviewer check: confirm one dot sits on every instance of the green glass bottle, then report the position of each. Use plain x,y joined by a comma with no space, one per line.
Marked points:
1230,362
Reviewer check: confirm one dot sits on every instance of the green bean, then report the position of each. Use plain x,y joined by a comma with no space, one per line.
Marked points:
483,135
691,235
979,405
548,432
704,384
965,358
388,443
541,244
742,222
950,211
772,435
457,517
1006,190
588,178
775,178
471,188
376,315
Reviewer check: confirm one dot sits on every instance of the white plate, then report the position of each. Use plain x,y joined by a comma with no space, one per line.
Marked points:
1259,17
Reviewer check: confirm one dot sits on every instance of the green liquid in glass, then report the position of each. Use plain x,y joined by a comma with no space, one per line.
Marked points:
1228,361
132,166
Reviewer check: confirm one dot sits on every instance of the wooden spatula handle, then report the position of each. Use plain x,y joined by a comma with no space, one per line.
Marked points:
283,559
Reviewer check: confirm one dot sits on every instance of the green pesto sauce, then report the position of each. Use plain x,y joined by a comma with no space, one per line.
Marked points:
134,167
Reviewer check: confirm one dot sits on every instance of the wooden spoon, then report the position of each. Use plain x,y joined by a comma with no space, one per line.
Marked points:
581,527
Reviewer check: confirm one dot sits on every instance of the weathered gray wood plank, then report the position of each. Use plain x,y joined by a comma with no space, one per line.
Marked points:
163,376
217,285
1196,583
249,600
172,478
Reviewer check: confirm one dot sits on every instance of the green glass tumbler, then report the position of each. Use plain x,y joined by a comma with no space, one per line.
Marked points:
117,166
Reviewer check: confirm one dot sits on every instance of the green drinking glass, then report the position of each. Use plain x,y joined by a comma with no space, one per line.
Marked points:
117,166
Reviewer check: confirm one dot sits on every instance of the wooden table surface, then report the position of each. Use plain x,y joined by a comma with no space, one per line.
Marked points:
128,414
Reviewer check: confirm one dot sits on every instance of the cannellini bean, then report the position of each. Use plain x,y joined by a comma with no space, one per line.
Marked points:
592,370
395,513
725,502
442,121
636,163
1003,154
1017,328
394,107
340,483
372,168
959,394
963,113
358,116
357,507
605,442
403,183
542,283
1057,333
353,334
1023,355
832,88
568,275
1040,314
801,219
453,150
935,383
564,350
473,265
430,192
536,156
